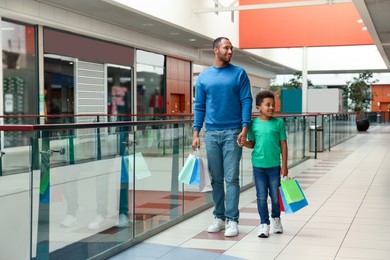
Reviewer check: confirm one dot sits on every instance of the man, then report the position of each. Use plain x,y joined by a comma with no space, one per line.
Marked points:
223,102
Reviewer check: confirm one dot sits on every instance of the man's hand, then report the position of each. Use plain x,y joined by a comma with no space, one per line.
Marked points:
195,141
241,138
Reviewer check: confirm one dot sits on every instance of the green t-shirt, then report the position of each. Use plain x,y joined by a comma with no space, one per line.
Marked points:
267,136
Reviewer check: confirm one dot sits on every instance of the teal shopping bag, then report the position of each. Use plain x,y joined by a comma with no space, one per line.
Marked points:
190,173
291,190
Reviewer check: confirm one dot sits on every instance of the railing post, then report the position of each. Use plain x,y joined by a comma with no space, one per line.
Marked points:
99,145
43,229
315,137
174,212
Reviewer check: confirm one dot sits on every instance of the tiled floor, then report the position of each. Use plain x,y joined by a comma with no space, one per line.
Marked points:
347,217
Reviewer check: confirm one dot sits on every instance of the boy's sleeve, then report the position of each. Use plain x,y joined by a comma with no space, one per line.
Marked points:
283,135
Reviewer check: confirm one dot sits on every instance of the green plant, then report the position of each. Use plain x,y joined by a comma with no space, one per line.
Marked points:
293,83
358,95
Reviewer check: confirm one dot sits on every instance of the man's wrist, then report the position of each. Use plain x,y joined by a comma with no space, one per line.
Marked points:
196,133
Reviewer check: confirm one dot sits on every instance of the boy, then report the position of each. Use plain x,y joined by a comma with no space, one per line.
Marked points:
267,137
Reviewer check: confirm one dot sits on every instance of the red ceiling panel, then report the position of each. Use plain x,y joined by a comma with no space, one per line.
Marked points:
319,25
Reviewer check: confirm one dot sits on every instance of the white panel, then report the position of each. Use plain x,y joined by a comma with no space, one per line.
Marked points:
90,94
324,101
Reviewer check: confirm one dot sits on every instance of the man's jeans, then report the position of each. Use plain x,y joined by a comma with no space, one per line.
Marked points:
267,180
223,156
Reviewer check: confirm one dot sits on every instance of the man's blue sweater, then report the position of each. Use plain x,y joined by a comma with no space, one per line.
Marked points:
223,99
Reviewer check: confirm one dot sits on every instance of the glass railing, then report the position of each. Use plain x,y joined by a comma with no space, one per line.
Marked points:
94,188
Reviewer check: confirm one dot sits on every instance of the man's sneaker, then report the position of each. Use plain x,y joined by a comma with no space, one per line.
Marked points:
231,229
218,225
97,223
123,221
277,225
263,231
69,221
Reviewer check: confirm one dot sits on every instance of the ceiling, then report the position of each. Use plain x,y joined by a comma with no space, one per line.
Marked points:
376,16
374,13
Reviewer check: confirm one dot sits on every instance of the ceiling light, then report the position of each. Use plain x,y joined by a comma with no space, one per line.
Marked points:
174,33
364,28
192,40
147,24
360,21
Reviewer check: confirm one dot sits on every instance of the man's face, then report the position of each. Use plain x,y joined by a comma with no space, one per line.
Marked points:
224,51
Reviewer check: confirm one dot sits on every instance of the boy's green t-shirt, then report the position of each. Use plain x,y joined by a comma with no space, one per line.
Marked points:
267,136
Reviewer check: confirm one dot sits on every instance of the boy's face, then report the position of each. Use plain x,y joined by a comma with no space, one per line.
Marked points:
267,107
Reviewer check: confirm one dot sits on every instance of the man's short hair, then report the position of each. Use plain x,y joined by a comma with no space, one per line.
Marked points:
218,41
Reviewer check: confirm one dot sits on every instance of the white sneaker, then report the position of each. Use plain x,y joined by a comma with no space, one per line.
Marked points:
69,221
97,223
123,221
218,225
263,231
231,229
277,225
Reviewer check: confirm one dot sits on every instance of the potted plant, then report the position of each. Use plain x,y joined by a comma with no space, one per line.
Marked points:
359,96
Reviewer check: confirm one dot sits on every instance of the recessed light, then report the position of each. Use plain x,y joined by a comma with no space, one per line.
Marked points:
192,40
364,28
360,21
147,24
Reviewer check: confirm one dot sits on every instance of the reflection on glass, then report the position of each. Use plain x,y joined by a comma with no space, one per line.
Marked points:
150,84
119,90
19,78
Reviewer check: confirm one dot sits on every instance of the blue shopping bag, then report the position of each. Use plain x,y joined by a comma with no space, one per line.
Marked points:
294,206
190,173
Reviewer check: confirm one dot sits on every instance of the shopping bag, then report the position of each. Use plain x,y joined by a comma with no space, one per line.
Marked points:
141,170
190,173
127,168
280,200
294,206
291,191
205,182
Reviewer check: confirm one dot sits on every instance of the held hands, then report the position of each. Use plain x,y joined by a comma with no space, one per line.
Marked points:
241,140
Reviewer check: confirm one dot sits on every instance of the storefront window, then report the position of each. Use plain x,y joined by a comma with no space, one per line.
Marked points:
20,88
59,88
118,90
150,84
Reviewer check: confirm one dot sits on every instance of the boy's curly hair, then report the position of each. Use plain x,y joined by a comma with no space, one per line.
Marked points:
262,95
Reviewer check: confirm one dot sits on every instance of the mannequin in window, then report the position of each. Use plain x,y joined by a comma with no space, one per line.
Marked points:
157,103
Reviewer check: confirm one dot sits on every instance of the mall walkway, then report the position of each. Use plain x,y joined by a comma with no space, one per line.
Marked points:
347,189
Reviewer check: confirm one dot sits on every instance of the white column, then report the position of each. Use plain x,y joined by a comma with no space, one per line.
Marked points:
304,80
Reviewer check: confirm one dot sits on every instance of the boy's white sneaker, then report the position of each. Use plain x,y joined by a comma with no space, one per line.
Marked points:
277,225
263,231
218,225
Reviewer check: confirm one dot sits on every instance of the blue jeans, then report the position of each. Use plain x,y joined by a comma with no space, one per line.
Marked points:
223,157
267,181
